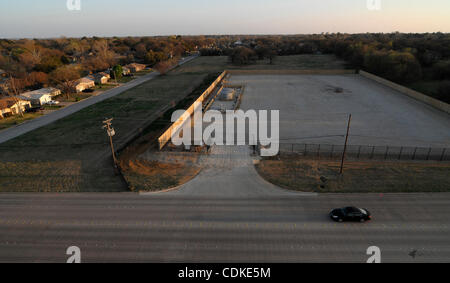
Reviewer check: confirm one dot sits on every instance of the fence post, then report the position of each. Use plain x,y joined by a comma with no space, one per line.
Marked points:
429,153
401,152
373,152
359,151
387,152
443,154
414,154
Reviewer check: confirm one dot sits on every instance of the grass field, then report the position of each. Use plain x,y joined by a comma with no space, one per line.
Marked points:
79,138
359,177
17,119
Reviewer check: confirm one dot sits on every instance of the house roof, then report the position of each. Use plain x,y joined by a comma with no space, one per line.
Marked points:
7,102
100,75
85,80
134,65
37,94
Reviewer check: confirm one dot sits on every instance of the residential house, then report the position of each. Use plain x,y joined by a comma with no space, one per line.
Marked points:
12,106
2,73
36,98
84,83
41,96
100,78
126,71
135,67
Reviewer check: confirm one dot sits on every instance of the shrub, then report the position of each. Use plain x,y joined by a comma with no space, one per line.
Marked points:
243,56
441,70
393,65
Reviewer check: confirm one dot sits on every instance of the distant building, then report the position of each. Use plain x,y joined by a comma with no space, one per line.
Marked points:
126,71
84,83
100,78
41,96
135,67
11,106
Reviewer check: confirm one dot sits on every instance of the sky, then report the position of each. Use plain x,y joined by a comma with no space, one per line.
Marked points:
52,18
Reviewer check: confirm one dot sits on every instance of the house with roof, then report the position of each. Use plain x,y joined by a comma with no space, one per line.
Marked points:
84,83
40,96
100,78
136,67
126,71
10,106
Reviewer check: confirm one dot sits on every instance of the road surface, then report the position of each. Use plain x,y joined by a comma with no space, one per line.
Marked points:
161,228
34,124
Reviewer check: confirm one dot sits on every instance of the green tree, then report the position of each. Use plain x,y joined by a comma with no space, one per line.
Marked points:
117,72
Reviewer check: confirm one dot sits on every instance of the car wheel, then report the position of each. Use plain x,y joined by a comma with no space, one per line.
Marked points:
362,220
341,220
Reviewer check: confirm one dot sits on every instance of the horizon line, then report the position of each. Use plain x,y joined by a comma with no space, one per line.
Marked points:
216,35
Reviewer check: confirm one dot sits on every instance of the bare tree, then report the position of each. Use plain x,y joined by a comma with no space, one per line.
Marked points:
165,66
14,89
66,77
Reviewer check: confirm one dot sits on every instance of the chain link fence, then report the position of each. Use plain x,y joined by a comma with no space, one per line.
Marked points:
365,152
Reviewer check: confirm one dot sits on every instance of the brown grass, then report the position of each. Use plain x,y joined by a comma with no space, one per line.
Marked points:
64,176
323,176
143,175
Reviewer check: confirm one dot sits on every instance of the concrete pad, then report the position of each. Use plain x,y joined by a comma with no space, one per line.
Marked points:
229,172
312,112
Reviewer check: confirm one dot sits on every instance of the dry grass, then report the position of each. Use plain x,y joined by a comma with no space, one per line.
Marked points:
60,176
323,176
17,120
143,175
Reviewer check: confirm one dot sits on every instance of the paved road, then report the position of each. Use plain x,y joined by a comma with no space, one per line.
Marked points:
160,228
29,126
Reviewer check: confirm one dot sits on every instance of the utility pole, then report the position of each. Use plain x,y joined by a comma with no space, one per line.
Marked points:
345,146
107,124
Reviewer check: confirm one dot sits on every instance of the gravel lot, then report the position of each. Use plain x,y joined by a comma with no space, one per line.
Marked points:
311,111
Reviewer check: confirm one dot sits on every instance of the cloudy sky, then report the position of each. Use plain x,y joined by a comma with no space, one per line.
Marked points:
52,18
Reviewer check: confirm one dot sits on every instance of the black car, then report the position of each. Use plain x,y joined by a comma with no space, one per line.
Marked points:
350,214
